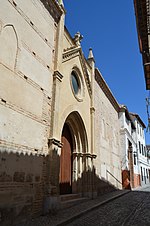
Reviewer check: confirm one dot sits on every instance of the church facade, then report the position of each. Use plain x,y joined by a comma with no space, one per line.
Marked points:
60,129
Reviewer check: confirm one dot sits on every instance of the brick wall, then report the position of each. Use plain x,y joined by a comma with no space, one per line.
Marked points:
21,186
27,44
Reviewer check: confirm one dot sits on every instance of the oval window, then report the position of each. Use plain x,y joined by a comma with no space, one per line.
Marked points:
75,82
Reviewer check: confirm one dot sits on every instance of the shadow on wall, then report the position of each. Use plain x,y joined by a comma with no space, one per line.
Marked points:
26,181
89,185
92,186
21,186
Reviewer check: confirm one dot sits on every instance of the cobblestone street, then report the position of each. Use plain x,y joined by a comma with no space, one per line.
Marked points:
130,209
144,188
116,208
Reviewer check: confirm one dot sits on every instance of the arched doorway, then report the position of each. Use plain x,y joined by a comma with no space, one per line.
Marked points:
65,177
73,154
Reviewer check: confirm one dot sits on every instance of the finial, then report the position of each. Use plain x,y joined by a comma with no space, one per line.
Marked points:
91,56
77,38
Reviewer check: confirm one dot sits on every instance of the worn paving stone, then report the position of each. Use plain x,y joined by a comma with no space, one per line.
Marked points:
65,214
129,210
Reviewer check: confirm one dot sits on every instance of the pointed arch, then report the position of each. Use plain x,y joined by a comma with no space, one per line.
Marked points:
77,128
8,46
73,152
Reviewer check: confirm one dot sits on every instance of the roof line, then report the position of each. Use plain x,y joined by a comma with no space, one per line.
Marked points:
103,85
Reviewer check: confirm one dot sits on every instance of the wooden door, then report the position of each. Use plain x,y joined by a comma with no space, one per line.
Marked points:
65,179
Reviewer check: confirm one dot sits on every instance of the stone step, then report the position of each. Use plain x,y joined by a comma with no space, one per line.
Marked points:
68,197
72,202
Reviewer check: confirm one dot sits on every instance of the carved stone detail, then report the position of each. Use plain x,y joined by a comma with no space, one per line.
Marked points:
58,76
77,39
74,52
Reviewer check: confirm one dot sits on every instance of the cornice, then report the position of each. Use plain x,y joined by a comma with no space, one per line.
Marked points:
70,53
102,84
58,75
138,119
77,154
54,141
87,155
128,115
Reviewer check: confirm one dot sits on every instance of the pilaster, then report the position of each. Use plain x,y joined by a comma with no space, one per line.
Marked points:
91,61
59,42
54,142
52,200
57,79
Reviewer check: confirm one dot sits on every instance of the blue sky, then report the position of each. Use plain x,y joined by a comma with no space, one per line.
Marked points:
109,28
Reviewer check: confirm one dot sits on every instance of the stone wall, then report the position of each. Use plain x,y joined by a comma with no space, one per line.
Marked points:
27,43
107,137
21,186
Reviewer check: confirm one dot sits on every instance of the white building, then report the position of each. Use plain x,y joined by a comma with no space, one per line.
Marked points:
134,154
130,172
143,162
